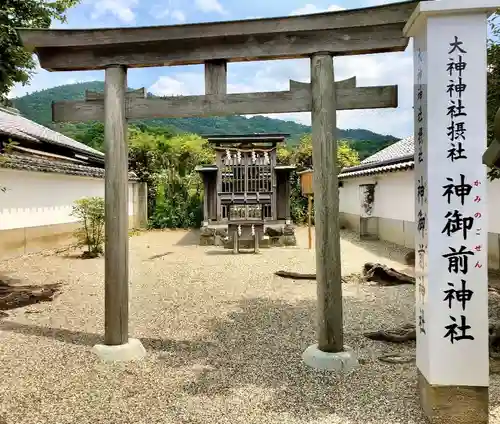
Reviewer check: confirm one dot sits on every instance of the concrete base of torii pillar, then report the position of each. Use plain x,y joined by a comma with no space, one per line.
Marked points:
342,362
131,351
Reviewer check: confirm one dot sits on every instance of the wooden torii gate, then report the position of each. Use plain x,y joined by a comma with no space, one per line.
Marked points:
318,37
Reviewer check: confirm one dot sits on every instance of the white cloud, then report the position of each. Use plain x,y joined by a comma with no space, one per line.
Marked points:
210,6
371,3
121,9
334,8
179,15
77,80
311,8
190,84
181,84
160,11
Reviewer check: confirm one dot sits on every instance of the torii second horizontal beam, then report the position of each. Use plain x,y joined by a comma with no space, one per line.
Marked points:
298,99
294,85
99,95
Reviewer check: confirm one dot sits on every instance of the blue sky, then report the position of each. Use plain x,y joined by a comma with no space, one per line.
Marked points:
393,68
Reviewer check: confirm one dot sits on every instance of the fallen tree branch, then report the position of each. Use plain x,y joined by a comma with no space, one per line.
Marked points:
408,333
16,296
161,255
385,276
396,335
295,275
379,273
396,358
298,275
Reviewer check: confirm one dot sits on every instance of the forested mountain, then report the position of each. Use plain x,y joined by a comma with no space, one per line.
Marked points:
37,107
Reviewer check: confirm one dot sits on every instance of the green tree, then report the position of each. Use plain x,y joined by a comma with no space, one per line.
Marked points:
90,212
167,163
16,63
301,156
92,135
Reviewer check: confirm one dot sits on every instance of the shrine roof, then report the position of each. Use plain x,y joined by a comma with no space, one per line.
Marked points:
214,168
206,168
285,167
235,138
396,157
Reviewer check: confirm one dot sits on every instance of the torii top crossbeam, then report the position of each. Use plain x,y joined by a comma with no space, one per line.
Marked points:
348,32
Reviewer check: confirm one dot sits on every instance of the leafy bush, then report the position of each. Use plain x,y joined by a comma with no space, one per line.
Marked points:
90,211
178,203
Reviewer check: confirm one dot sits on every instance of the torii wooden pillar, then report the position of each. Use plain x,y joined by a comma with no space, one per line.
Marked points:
326,199
318,37
116,207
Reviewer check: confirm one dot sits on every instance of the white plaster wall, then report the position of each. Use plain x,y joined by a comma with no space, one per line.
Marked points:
395,198
34,199
350,201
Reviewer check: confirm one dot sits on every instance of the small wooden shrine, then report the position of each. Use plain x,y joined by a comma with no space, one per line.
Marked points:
246,192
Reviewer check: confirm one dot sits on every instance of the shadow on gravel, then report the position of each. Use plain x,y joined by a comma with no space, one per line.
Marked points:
89,339
260,347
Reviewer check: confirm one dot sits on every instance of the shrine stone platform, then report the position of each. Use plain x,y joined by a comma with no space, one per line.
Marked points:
276,234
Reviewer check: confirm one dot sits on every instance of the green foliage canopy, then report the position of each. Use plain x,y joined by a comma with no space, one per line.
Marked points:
16,63
166,162
301,156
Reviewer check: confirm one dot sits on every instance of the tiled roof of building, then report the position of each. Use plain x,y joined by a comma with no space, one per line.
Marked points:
396,157
397,150
401,166
18,126
37,164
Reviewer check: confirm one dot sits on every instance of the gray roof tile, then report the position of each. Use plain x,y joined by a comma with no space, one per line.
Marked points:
402,166
400,149
18,126
396,157
37,164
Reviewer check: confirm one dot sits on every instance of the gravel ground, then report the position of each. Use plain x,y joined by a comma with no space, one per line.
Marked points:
224,339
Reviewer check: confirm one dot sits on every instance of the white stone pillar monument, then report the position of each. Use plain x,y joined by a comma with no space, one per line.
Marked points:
450,198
